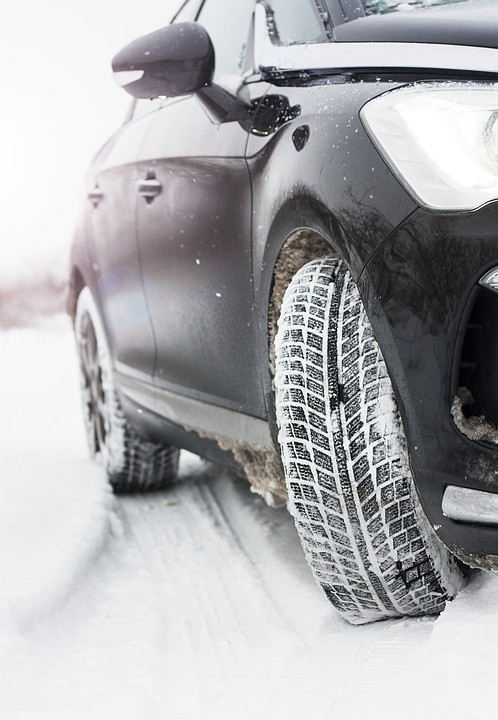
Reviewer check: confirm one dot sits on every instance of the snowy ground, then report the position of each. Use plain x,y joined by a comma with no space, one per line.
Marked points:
193,604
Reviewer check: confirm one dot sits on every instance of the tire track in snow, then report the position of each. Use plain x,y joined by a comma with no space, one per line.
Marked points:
223,524
226,593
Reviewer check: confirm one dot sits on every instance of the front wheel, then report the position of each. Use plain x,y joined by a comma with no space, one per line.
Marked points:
132,464
345,457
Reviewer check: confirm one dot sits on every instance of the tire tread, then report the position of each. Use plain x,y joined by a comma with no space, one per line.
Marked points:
346,460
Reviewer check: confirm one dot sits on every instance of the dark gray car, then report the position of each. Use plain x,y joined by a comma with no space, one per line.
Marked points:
288,262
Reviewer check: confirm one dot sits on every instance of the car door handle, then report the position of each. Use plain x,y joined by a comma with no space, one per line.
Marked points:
149,188
95,196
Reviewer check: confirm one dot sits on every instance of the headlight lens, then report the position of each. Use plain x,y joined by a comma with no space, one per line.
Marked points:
441,140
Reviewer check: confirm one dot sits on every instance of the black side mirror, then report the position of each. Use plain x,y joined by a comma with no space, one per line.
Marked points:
177,60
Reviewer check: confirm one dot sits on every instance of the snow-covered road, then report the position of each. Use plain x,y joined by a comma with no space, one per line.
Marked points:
191,604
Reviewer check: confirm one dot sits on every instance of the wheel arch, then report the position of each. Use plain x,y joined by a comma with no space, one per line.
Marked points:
302,230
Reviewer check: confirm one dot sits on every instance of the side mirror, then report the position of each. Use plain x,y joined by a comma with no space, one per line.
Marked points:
177,60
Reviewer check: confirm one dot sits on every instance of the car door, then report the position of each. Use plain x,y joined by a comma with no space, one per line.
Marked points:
112,231
112,194
194,236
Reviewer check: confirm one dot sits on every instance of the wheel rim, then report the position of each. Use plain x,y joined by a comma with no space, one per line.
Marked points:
94,396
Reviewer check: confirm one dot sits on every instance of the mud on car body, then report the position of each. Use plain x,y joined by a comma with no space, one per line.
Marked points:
288,262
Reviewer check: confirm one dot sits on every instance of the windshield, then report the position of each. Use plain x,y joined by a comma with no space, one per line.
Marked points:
379,7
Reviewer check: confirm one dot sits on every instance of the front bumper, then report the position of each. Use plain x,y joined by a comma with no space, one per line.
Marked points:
419,290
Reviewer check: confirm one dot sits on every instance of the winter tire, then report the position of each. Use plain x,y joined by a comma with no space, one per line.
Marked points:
132,464
345,457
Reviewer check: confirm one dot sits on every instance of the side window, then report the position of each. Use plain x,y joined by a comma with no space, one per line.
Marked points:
228,23
298,21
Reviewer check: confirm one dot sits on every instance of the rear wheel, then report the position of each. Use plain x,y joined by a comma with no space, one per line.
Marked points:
345,458
132,464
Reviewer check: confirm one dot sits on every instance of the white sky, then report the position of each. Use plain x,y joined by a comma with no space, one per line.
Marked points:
59,104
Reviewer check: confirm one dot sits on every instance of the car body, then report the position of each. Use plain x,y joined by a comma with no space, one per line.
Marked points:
203,204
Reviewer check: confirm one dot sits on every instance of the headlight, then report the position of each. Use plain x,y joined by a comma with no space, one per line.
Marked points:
440,140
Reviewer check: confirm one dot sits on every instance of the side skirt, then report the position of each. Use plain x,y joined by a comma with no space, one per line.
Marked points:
207,420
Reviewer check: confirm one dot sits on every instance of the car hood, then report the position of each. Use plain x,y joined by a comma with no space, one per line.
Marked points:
470,22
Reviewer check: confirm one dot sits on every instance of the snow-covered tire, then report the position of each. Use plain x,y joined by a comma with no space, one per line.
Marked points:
345,458
132,464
